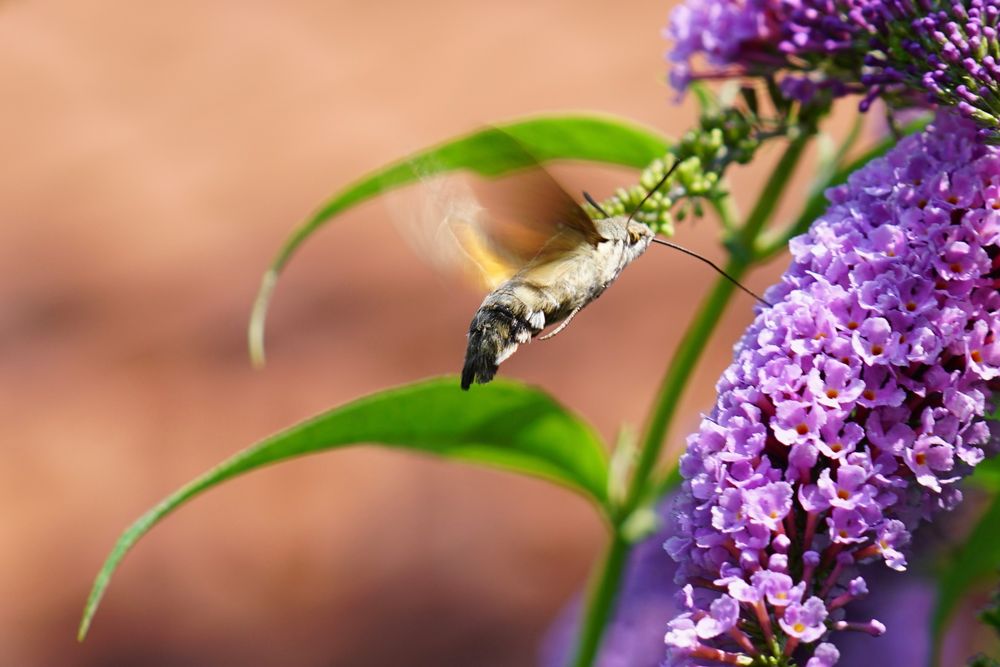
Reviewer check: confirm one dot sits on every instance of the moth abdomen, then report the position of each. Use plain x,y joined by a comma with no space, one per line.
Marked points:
494,334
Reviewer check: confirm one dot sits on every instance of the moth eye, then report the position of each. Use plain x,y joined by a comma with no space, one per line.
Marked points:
633,236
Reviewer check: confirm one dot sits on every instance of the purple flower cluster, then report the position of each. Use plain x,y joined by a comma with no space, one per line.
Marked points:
909,51
948,50
797,39
726,33
852,407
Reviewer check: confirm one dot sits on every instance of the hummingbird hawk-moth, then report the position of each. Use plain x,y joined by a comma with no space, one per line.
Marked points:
543,261
573,267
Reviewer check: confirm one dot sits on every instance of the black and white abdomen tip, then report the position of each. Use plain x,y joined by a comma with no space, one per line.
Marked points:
494,335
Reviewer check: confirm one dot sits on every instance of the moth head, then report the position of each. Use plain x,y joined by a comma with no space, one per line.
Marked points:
637,233
637,238
634,236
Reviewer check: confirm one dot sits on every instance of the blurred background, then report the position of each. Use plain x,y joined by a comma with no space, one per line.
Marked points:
156,156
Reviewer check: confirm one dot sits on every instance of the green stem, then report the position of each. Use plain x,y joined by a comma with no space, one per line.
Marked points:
725,208
600,601
771,195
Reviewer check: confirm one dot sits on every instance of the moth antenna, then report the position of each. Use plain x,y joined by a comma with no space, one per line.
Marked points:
656,187
590,200
715,266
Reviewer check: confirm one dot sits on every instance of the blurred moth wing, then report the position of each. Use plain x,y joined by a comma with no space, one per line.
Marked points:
490,230
449,227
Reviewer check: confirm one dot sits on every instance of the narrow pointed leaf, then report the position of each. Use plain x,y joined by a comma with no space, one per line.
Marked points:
503,424
590,138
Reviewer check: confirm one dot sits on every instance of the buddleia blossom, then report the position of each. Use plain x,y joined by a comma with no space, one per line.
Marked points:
795,41
634,635
908,51
947,52
853,406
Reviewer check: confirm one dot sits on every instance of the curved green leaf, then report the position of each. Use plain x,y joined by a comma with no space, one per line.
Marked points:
976,559
502,424
488,152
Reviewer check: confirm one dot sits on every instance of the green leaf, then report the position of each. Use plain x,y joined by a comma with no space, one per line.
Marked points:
502,424
488,152
968,565
987,475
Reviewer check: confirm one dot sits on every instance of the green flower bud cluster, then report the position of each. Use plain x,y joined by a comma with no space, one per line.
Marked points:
724,135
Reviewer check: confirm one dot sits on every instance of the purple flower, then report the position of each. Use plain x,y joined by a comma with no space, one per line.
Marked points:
769,504
869,436
945,50
826,655
722,616
634,637
777,588
938,51
764,37
716,29
805,622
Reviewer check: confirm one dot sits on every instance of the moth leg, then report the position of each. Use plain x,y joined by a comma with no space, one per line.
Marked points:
569,318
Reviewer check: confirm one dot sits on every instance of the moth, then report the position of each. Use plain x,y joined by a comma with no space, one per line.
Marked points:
574,266
536,249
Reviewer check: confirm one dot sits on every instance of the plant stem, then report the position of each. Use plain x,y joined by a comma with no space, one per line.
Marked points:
600,600
771,194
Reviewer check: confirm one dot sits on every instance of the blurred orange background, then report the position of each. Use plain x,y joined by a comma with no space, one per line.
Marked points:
157,155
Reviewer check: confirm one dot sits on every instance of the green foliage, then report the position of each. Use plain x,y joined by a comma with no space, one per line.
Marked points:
969,564
487,152
990,616
503,424
987,475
